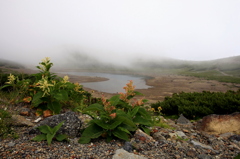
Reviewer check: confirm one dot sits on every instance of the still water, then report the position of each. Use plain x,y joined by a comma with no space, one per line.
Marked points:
115,83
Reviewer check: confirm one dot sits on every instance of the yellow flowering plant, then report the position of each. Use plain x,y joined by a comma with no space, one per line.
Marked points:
52,92
17,88
45,90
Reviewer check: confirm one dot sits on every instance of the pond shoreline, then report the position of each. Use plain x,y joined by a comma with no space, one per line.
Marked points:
162,85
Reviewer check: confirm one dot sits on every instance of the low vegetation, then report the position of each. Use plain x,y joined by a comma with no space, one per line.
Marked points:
196,105
49,133
226,76
6,129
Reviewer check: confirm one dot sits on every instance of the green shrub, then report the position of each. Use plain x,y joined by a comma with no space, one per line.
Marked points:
49,133
117,117
196,105
45,90
6,129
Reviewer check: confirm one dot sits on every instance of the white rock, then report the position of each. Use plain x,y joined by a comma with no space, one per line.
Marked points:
122,154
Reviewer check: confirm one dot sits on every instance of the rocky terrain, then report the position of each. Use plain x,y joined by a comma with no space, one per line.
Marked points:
181,140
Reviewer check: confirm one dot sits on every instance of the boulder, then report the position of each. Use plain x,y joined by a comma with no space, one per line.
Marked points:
219,124
21,121
122,154
70,127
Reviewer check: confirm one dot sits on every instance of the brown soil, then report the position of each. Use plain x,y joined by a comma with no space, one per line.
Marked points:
162,85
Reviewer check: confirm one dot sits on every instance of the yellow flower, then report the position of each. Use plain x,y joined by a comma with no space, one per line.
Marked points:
44,85
44,65
46,60
11,79
65,79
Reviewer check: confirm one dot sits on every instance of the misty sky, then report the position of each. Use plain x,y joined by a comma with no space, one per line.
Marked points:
119,30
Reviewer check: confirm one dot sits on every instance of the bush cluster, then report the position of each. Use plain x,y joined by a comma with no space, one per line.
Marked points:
196,105
6,129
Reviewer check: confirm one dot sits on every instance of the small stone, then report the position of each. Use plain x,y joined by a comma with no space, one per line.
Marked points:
235,137
127,146
25,112
196,143
158,136
11,144
191,153
185,130
183,120
21,121
180,134
122,154
204,156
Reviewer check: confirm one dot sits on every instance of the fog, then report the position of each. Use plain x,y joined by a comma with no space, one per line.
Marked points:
117,32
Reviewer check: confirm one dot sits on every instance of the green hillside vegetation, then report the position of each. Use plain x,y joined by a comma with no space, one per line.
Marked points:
223,70
197,105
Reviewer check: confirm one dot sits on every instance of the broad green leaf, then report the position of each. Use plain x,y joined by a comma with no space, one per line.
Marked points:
57,127
129,122
114,100
94,107
40,137
62,95
49,138
50,130
129,128
123,113
37,99
124,129
84,140
101,123
134,111
118,121
120,134
61,137
54,106
146,130
92,131
144,113
44,129
140,120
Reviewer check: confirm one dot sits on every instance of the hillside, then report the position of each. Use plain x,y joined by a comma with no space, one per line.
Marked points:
224,70
10,64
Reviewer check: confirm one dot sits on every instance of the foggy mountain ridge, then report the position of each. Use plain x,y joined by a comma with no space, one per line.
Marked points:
83,61
11,64
224,64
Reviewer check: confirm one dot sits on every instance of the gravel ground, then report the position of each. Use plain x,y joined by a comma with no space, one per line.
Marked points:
23,147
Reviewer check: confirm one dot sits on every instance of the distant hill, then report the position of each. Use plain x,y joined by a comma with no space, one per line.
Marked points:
10,64
224,64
